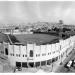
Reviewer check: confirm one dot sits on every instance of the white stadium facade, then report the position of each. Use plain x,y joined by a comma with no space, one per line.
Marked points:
29,51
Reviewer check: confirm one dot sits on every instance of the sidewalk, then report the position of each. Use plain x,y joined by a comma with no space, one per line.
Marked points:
4,66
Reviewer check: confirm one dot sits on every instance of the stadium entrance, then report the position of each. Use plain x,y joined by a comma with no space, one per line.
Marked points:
31,64
30,52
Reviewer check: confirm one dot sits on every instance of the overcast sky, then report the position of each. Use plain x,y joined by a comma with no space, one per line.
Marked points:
29,11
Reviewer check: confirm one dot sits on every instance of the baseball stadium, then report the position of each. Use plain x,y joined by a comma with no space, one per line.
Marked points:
30,52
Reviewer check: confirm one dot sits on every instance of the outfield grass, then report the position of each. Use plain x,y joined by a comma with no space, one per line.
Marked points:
38,38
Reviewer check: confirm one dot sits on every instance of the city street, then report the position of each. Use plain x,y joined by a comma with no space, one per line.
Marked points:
62,69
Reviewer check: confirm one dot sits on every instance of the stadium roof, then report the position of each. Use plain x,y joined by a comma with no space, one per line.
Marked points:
3,38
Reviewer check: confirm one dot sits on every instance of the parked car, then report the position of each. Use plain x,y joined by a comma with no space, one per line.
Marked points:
73,63
68,65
